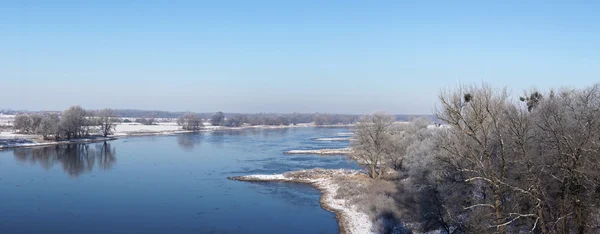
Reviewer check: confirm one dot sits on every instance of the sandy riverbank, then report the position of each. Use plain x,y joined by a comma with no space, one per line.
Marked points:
350,219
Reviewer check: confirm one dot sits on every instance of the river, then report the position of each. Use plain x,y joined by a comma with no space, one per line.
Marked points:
167,184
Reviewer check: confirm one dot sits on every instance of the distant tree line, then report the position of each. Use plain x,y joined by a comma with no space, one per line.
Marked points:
11,112
496,165
74,122
237,120
146,120
149,116
130,113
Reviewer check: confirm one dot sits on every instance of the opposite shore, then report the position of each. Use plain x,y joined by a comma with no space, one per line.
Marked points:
134,130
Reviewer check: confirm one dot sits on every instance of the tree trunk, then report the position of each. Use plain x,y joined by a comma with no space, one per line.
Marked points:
543,227
372,171
498,209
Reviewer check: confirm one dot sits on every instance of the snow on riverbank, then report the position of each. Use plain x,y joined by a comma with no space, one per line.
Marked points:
6,120
321,151
7,135
207,126
350,218
334,139
21,143
9,139
126,129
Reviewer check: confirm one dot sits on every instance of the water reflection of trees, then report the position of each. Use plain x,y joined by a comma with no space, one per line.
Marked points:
189,141
219,138
75,159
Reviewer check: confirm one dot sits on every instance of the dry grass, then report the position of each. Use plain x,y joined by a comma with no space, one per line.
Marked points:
376,198
381,200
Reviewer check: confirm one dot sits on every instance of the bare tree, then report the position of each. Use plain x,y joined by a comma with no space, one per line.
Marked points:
531,166
107,121
402,137
36,119
235,121
22,123
190,121
567,128
373,134
323,119
478,147
72,122
218,119
49,126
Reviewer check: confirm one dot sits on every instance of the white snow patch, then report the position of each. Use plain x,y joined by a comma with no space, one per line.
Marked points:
345,134
6,120
15,135
267,177
356,222
321,151
353,220
136,128
333,139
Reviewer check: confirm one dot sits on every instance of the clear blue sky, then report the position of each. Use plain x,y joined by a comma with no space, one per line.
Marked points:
283,56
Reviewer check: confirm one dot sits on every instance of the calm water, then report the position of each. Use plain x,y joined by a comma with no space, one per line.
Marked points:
167,184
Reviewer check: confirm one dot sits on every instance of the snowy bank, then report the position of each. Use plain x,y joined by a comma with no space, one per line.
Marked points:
6,135
132,129
6,120
321,151
350,219
10,139
22,143
166,128
334,139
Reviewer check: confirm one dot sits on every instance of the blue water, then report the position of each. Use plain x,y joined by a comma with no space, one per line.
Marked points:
167,184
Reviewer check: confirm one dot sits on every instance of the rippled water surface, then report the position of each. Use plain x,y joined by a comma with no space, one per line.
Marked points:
167,184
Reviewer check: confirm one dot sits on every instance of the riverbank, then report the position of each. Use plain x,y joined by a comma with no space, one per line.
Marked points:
344,151
300,125
15,140
350,219
334,139
361,204
26,143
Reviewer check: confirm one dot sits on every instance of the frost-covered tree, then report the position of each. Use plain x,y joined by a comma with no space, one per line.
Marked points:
36,119
49,126
373,142
529,166
402,137
218,119
477,145
22,123
190,121
73,121
107,121
235,121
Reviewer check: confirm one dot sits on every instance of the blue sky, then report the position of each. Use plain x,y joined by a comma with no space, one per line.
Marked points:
284,56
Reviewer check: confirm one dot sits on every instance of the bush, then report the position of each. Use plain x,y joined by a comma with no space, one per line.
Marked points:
145,121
